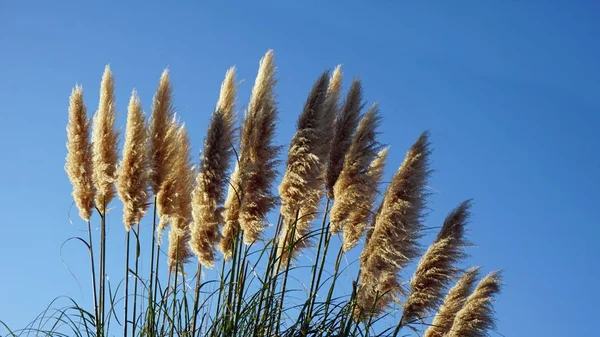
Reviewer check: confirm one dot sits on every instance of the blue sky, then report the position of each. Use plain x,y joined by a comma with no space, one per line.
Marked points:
508,89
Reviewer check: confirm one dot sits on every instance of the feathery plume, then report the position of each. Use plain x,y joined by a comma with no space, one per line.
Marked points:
162,114
344,126
174,198
477,315
132,181
231,213
454,301
332,107
354,189
179,252
104,142
79,155
258,154
393,243
437,268
301,188
356,222
208,195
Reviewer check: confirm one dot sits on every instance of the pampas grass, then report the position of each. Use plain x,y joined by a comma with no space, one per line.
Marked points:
258,154
344,126
438,266
357,184
79,155
104,142
453,302
256,291
302,186
132,182
394,241
477,316
208,196
162,114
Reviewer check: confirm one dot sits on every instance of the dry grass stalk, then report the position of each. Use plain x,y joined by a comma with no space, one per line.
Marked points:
355,189
132,181
302,186
437,268
104,142
258,154
174,198
231,213
79,155
394,241
477,315
453,302
162,114
208,196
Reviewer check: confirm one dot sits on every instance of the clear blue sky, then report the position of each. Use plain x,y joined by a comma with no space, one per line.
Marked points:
508,89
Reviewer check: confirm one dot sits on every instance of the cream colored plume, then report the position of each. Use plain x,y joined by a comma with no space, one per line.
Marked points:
79,155
179,252
302,186
356,187
207,198
177,209
162,114
258,153
174,198
477,315
453,302
394,241
132,182
357,220
344,126
438,266
104,143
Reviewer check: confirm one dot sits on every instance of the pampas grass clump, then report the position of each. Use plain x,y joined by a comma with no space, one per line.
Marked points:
260,284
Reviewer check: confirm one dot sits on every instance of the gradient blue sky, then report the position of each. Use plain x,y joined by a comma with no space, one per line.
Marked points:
508,89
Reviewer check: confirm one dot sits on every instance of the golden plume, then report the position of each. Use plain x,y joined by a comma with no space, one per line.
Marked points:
302,186
477,315
207,197
437,268
104,142
394,241
354,189
258,154
357,219
344,126
453,302
132,181
162,114
79,155
175,199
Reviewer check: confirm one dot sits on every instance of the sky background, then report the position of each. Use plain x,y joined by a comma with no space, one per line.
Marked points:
508,90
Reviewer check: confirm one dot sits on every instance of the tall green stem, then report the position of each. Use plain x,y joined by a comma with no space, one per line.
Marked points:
94,291
152,298
135,284
126,283
102,267
196,299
